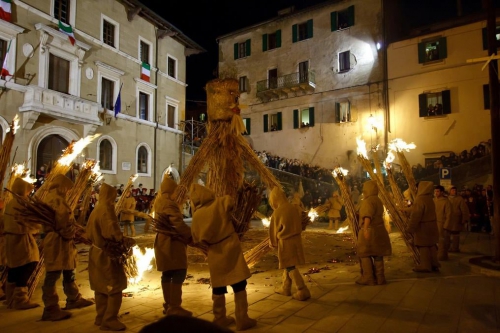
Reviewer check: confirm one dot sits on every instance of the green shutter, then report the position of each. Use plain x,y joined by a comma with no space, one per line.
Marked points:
486,96
294,33
310,28
333,21
278,38
248,47
421,53
311,116
446,96
248,125
350,12
337,112
295,118
264,42
422,105
485,38
280,121
266,123
235,51
443,53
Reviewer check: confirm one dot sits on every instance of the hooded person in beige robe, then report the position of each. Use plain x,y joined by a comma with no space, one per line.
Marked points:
106,276
171,253
128,218
460,215
423,226
60,254
21,249
373,240
285,231
443,216
334,205
212,226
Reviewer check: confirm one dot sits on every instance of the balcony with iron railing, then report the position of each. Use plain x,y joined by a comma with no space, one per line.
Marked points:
282,86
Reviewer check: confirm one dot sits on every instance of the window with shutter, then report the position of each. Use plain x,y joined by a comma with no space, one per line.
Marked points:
434,104
265,121
302,31
243,84
242,50
273,122
485,37
342,112
246,121
434,50
342,19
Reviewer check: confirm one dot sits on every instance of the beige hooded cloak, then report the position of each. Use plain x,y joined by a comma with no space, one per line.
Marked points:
422,222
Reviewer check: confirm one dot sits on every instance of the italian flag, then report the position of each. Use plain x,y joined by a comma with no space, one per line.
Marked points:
5,10
66,29
145,72
5,70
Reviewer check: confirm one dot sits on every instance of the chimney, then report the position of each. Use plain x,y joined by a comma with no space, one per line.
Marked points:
286,11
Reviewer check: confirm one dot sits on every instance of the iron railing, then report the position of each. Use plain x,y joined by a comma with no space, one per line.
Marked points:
287,81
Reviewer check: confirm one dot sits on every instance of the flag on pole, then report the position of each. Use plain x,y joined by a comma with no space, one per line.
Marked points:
145,72
5,70
6,10
118,104
66,29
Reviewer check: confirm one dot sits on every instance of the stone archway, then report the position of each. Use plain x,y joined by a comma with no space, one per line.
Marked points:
49,150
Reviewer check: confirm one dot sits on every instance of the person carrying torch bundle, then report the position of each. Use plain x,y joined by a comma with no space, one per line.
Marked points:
212,226
285,233
106,276
21,250
334,206
128,218
171,253
373,240
60,254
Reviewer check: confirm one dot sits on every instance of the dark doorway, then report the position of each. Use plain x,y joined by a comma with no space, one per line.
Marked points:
273,78
49,151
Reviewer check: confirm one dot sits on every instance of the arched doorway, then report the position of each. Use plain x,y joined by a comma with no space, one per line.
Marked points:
50,150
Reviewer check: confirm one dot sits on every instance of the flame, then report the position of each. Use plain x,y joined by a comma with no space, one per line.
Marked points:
399,145
266,223
15,125
134,177
143,262
313,214
361,147
96,173
340,170
18,169
390,157
76,150
342,230
28,179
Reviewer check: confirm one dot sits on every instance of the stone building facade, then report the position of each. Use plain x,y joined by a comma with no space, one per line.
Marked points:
64,92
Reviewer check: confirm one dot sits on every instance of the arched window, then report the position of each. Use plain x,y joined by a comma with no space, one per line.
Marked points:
106,155
142,160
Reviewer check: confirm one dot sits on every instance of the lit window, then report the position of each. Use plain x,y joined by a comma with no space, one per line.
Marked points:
273,122
433,50
303,118
342,19
434,104
342,112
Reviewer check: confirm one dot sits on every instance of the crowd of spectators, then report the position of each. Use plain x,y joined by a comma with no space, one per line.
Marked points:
479,200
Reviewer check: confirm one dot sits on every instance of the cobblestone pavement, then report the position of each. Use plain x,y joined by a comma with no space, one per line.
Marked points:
460,298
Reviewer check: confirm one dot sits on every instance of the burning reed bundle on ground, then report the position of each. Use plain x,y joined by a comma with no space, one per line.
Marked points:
339,176
122,253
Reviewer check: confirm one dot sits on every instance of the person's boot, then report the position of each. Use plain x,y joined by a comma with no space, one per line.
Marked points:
367,278
336,224
219,310
442,252
425,260
110,320
20,300
174,307
243,322
455,243
286,285
132,230
434,259
379,271
302,292
74,299
166,287
330,225
9,291
101,303
52,311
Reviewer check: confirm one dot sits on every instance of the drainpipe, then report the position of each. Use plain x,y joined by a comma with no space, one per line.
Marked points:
156,113
385,98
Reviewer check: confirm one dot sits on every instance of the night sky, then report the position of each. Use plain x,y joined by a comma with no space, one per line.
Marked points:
205,20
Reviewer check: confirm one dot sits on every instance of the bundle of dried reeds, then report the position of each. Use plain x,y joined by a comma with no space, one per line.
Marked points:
121,200
247,199
339,176
82,183
6,148
396,191
408,172
256,253
17,171
121,252
397,216
38,272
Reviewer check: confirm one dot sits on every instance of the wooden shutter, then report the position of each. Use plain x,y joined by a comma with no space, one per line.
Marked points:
278,38
311,116
264,42
486,96
337,112
310,28
248,47
446,96
266,123
294,33
249,127
333,21
236,51
485,39
421,53
295,118
350,12
443,53
422,105
280,121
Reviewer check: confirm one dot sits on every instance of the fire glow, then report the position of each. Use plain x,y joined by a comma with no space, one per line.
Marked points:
143,261
338,171
77,149
399,145
361,147
342,229
266,223
313,214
